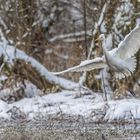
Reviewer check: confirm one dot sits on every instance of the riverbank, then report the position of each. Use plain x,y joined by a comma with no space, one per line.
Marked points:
86,104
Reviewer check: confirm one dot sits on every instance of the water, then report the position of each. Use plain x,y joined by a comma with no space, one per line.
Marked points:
67,129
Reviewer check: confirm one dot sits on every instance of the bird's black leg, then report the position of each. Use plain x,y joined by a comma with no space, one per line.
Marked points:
132,92
134,79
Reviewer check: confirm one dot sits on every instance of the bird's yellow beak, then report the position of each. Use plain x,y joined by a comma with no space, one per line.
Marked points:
97,39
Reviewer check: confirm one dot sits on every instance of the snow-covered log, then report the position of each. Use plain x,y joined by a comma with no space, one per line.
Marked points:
11,54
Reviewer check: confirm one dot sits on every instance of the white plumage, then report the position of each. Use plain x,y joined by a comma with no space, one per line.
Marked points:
86,65
121,60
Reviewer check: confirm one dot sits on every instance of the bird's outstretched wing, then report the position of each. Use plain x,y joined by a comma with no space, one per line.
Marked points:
130,45
86,65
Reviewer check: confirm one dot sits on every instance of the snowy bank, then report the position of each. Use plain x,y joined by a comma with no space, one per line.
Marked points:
75,103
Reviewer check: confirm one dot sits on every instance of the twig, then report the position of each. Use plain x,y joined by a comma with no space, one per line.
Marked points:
85,28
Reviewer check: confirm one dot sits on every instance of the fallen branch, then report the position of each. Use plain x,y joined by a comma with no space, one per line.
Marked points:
11,54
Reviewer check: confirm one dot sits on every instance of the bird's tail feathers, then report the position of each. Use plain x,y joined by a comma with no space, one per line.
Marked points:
131,65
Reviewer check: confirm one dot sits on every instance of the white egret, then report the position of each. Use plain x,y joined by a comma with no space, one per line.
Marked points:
121,60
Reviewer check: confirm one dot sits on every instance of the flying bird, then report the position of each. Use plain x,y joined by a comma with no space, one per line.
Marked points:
121,59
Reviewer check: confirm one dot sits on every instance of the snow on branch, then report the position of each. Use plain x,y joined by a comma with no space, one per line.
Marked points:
11,53
3,23
70,35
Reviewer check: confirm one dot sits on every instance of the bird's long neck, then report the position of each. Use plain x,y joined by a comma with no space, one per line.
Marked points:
105,51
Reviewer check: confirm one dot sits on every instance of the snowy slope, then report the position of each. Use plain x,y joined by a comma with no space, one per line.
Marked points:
86,104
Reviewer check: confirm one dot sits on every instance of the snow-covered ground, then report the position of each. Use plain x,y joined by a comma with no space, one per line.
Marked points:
83,103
